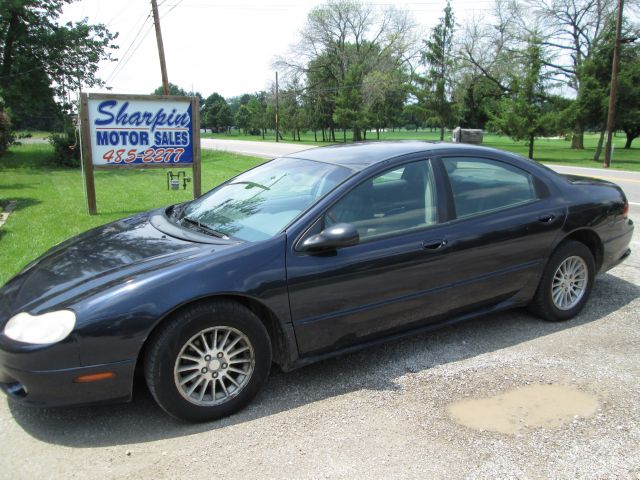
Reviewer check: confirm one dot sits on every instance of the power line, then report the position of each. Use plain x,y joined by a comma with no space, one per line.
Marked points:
124,59
123,62
171,9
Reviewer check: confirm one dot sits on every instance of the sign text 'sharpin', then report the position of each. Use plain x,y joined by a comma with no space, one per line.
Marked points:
141,131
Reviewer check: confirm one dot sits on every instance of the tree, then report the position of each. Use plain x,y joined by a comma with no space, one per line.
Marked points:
173,90
292,113
216,113
258,120
436,85
628,109
236,102
350,109
44,62
521,115
488,54
488,50
320,96
477,98
572,30
413,116
344,41
243,119
6,137
385,93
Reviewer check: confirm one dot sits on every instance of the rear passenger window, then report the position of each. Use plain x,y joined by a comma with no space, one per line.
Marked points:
481,185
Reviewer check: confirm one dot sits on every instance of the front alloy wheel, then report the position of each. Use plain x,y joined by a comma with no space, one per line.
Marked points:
214,366
208,360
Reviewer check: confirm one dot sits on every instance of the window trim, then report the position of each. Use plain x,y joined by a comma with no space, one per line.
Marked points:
537,184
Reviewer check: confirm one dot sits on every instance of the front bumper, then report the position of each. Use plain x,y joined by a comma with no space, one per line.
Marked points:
51,388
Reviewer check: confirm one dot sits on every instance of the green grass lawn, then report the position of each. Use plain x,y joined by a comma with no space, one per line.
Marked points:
546,150
51,205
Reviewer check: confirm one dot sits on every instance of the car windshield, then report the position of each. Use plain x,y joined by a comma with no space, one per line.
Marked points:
261,202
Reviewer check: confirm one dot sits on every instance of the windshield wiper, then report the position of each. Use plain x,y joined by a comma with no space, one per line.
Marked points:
175,211
204,228
251,184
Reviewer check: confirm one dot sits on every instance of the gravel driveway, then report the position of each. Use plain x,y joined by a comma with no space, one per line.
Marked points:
387,412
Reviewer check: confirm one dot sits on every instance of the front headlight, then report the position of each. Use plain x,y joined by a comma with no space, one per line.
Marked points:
49,327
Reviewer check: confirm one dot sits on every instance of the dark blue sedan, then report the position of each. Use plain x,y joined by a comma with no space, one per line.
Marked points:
302,258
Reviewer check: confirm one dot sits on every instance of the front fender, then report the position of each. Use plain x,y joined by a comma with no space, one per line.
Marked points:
113,324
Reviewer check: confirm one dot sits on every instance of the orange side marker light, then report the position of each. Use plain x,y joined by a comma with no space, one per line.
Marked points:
93,377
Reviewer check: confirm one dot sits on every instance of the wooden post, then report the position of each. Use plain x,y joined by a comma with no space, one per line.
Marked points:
163,64
613,92
196,166
87,159
277,106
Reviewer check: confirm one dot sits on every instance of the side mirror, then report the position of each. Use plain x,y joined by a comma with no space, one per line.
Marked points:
336,236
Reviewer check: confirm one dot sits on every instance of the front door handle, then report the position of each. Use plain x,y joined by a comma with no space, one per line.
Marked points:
434,245
547,218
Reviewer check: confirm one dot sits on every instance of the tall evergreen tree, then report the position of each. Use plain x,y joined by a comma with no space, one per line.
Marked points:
436,86
523,114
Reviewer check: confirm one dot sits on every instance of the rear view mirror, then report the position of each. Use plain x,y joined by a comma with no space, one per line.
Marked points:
336,236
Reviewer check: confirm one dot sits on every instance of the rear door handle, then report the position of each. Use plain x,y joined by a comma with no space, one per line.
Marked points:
434,245
547,218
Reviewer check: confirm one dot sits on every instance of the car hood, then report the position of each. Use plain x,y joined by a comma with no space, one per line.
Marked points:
95,259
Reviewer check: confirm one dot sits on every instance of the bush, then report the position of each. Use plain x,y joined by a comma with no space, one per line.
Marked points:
6,135
66,150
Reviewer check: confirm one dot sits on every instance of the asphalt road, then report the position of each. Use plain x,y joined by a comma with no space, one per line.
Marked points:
629,181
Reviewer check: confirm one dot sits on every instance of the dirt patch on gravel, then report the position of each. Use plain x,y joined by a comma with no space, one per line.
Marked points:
532,406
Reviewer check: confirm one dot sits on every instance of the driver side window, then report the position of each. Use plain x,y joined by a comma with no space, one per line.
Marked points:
397,200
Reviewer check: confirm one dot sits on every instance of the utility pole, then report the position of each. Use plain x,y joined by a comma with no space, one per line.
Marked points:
277,107
613,91
163,64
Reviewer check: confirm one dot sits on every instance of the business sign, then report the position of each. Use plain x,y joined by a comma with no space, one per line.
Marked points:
138,131
141,131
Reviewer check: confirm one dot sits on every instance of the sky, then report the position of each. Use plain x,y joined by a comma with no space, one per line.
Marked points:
215,45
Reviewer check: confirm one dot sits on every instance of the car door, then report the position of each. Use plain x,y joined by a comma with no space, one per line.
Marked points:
504,222
486,244
382,284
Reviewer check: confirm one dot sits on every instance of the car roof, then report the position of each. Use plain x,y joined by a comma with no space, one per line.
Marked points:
360,155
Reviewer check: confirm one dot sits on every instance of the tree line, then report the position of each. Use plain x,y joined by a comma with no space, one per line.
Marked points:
533,68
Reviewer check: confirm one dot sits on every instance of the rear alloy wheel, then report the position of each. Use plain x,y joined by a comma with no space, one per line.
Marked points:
569,283
566,283
208,361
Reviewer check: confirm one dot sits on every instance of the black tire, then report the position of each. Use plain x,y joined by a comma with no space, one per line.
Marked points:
542,304
169,341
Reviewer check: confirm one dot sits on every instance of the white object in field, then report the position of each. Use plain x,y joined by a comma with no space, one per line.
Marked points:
467,135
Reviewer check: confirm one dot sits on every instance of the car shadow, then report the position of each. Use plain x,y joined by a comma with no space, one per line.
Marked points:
22,202
372,369
16,186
